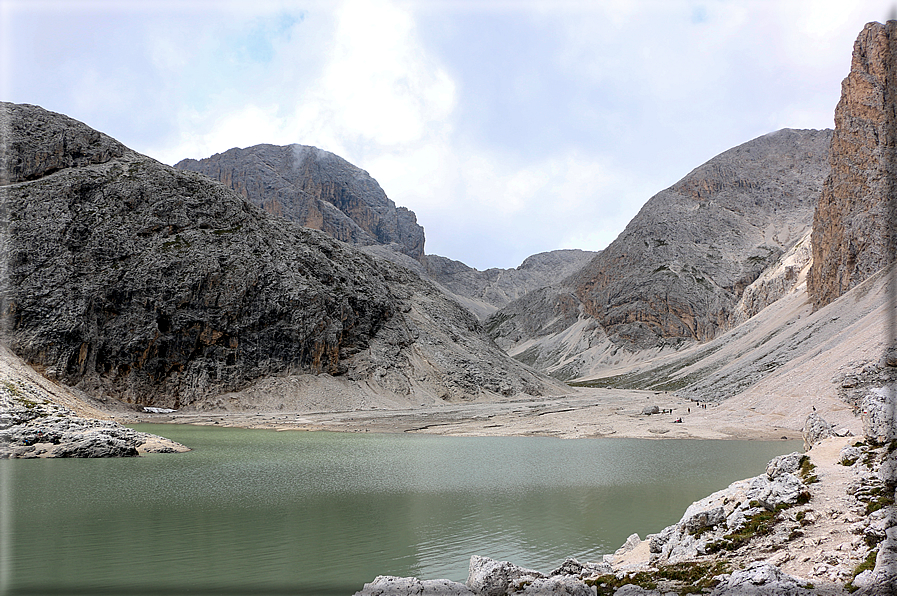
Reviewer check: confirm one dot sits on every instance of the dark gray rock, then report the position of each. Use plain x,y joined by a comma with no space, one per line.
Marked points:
130,279
318,190
484,292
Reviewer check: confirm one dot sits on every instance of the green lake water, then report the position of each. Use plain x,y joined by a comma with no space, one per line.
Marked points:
263,512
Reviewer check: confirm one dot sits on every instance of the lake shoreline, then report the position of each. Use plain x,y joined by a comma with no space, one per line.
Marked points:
584,413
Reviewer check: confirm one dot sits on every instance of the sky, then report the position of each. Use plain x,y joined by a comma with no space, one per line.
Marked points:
509,128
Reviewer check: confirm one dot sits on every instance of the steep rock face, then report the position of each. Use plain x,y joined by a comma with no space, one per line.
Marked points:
679,270
317,189
128,278
683,262
851,226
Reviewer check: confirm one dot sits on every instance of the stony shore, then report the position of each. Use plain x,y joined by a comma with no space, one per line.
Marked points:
820,523
39,419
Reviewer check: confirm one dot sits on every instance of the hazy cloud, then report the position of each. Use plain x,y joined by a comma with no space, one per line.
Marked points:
509,127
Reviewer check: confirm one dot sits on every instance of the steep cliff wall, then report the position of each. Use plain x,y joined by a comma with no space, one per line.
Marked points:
853,224
317,189
131,279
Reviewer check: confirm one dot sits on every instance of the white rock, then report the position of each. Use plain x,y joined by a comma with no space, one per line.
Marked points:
489,577
387,585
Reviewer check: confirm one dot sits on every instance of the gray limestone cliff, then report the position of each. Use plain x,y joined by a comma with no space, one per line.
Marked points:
317,189
853,227
683,262
678,273
128,278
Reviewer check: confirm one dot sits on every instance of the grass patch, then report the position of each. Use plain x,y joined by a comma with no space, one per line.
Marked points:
606,585
869,563
806,471
880,498
11,387
656,379
696,576
759,524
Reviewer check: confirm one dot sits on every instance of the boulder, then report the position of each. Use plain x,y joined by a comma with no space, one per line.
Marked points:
705,519
879,422
648,410
816,429
761,579
571,566
630,544
783,490
387,585
561,585
489,577
784,464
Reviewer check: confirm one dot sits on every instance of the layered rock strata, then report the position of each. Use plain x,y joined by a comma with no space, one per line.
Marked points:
853,225
131,279
318,190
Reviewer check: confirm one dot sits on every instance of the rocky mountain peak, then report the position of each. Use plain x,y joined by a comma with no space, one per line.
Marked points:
318,190
129,279
852,236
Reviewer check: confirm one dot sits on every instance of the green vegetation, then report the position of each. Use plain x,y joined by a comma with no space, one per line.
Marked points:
806,471
11,387
759,524
878,499
695,577
656,379
869,563
608,584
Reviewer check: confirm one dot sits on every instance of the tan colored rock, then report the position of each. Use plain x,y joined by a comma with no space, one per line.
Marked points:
850,229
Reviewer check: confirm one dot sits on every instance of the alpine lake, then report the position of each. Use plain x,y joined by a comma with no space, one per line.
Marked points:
265,512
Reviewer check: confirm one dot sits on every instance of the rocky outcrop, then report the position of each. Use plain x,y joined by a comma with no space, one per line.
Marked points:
761,579
33,424
678,272
783,277
713,523
131,279
318,190
488,577
683,262
852,236
816,429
